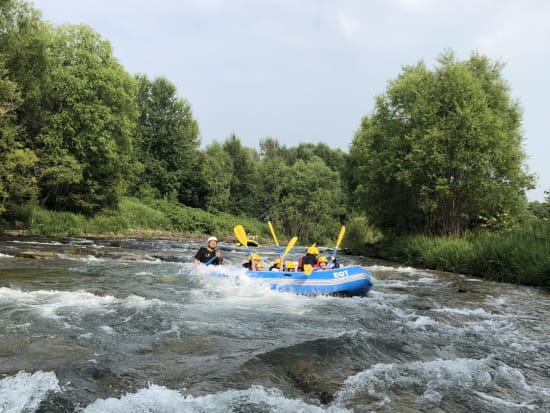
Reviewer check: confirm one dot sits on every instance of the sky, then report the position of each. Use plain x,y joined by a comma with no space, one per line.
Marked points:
309,70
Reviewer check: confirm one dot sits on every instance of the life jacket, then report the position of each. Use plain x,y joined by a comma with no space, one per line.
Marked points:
308,259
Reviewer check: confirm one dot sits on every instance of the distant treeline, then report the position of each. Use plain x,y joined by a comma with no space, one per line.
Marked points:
440,155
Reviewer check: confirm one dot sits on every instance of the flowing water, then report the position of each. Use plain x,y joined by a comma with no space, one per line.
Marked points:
132,326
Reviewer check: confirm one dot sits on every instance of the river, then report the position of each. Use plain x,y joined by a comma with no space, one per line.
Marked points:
131,326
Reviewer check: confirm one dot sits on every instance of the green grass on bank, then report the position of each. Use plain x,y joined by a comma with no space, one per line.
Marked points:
519,256
133,214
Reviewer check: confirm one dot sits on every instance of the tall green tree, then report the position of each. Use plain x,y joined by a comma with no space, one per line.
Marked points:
308,201
85,144
300,191
333,158
22,67
167,141
244,191
24,39
441,153
217,178
17,183
271,147
274,175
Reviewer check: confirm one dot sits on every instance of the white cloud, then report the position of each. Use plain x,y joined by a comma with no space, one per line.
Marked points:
348,25
415,5
516,30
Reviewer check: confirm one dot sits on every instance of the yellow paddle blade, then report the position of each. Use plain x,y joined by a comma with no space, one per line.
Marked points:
340,236
290,245
272,232
240,233
308,269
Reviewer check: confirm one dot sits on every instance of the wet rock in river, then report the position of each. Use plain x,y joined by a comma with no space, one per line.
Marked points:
39,255
55,403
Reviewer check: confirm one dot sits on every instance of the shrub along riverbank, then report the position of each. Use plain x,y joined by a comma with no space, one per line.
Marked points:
519,256
152,219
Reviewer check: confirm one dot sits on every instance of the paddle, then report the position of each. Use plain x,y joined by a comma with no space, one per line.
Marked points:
211,259
340,237
274,236
290,245
240,233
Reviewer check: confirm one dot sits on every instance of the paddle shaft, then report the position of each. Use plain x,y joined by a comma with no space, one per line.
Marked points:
274,236
212,258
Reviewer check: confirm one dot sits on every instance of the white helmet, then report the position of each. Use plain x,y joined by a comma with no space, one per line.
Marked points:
212,239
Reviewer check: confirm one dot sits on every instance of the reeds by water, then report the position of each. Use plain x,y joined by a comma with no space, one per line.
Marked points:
521,255
133,214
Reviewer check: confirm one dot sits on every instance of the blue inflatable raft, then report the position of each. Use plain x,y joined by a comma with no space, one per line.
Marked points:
344,281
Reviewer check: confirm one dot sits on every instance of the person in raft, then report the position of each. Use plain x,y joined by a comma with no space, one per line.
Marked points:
290,266
277,265
333,262
311,258
323,263
208,255
253,261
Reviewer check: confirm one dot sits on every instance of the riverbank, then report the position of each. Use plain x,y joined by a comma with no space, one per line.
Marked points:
156,219
131,233
519,256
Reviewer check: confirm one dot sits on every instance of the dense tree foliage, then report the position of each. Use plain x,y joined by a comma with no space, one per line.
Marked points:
310,201
85,144
16,162
217,179
244,189
167,141
302,189
24,39
442,151
22,57
74,113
